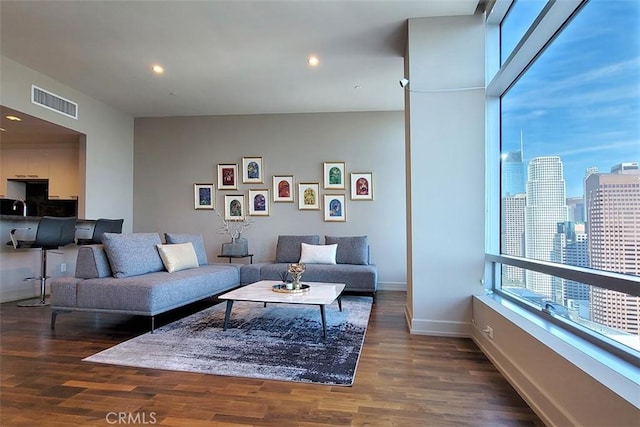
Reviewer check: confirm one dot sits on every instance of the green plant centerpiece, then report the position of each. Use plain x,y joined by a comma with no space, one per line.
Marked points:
296,270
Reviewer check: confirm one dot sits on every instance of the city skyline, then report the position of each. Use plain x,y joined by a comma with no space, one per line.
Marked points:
538,222
594,67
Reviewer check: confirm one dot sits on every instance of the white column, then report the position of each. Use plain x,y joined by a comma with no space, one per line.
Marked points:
445,137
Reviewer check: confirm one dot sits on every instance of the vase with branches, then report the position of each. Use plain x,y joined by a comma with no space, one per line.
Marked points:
234,228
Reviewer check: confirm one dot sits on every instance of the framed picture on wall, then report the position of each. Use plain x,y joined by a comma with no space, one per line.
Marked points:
234,207
252,170
334,175
203,196
283,188
361,186
308,196
335,208
228,176
259,202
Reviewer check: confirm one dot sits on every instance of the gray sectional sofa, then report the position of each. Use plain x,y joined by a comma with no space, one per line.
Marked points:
137,274
130,274
352,263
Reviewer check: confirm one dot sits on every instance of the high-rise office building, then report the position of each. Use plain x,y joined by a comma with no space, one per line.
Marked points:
512,174
587,172
613,226
626,167
576,208
512,233
546,207
571,248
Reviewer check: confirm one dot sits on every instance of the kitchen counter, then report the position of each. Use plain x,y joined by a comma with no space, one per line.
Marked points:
17,264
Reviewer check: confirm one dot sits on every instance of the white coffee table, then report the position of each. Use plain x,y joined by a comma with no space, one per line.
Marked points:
319,294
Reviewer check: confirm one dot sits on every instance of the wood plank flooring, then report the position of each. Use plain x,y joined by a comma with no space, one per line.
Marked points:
402,380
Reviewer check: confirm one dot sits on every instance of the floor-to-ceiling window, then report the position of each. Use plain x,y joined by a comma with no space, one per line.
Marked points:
567,96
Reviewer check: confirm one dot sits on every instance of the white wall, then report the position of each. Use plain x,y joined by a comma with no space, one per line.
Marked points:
445,165
563,385
106,178
171,154
109,139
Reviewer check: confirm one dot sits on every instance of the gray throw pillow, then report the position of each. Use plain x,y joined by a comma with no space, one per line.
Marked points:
132,254
197,241
351,250
289,247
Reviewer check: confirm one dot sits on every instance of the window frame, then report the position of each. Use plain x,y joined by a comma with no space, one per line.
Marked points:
547,25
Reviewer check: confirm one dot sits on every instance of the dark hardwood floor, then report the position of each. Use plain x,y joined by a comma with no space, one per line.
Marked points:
402,380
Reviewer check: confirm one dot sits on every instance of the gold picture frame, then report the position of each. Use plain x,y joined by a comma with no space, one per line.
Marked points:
252,170
227,176
258,202
334,175
204,196
308,196
335,208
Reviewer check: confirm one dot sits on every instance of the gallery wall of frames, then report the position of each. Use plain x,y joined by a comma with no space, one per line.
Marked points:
249,190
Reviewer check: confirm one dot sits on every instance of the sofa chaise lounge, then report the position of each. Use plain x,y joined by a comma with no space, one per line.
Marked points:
136,274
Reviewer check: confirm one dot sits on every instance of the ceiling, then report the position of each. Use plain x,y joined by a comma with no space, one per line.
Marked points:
221,57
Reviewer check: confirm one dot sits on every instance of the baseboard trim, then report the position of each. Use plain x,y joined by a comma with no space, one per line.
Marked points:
392,286
440,328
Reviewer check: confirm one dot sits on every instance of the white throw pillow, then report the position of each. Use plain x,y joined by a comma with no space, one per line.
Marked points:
178,256
318,254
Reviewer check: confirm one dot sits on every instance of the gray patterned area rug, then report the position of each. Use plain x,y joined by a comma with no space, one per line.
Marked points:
277,342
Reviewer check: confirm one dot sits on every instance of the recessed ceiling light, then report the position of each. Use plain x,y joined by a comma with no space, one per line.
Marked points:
313,61
14,118
157,69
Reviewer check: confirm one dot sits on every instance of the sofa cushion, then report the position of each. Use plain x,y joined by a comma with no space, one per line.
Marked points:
132,254
289,247
351,249
318,254
92,262
178,256
195,239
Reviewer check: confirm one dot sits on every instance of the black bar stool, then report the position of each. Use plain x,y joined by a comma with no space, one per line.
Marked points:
102,226
52,233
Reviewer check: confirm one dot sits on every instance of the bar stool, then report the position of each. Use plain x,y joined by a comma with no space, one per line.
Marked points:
52,233
102,226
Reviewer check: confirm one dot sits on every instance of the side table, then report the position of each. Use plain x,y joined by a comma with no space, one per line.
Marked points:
237,256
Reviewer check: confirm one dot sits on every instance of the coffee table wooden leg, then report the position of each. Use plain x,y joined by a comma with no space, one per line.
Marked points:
227,314
324,321
340,302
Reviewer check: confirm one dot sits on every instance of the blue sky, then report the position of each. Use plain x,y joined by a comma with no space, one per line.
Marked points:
581,99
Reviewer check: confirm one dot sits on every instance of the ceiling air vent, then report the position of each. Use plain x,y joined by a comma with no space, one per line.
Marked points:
54,102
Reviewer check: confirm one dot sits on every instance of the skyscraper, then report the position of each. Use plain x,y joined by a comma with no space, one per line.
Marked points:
576,208
512,233
613,225
546,207
512,174
571,248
